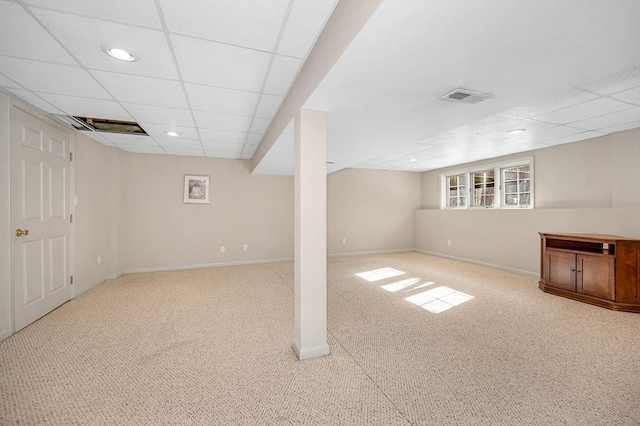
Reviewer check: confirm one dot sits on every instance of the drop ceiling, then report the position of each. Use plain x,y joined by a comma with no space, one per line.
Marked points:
217,72
213,71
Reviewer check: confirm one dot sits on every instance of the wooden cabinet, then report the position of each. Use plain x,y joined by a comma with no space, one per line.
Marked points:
603,270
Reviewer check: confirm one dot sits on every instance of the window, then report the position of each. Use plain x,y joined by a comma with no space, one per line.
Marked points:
457,191
503,185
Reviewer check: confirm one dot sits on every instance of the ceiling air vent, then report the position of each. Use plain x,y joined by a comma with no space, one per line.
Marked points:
93,124
465,96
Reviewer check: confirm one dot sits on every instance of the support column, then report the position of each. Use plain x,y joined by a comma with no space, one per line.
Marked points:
310,261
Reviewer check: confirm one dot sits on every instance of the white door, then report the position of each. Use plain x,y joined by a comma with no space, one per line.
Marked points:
40,216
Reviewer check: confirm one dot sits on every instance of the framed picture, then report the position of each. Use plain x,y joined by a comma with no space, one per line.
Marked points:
196,189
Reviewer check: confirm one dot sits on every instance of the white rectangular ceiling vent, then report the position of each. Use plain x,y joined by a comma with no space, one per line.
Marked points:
465,96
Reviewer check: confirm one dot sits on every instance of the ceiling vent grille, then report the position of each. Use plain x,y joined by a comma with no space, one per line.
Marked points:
92,124
465,96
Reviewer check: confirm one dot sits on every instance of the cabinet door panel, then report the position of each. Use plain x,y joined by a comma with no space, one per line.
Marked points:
596,276
560,270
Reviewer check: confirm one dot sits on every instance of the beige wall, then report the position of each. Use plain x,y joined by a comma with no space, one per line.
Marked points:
590,186
372,209
90,214
161,232
115,213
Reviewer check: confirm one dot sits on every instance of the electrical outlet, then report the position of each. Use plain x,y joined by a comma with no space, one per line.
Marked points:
344,241
449,242
221,249
99,260
245,247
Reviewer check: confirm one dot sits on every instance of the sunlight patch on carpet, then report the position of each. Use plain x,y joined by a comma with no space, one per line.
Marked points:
401,285
379,274
439,299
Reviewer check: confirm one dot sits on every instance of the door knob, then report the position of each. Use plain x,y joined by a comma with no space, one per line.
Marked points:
21,232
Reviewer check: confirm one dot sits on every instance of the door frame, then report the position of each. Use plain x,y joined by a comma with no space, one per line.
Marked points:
7,103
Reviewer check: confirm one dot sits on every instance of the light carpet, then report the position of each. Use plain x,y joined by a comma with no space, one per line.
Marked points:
213,347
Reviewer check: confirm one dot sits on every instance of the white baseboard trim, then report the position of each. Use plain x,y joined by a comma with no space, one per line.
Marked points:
367,253
206,265
475,262
311,352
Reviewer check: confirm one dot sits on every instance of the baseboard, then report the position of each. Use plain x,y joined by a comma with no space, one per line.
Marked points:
367,253
312,352
475,262
5,335
206,265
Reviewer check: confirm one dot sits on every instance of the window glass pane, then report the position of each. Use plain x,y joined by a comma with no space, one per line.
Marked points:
483,188
517,185
456,189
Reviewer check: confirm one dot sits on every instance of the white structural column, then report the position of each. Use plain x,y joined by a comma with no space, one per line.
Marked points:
310,262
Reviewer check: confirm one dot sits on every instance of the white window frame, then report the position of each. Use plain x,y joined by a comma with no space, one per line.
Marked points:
498,191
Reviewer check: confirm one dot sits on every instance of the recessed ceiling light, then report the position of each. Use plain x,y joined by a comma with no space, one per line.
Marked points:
413,160
171,133
516,131
120,53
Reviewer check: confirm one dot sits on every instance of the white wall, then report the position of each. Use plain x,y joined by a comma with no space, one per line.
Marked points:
591,186
6,301
372,209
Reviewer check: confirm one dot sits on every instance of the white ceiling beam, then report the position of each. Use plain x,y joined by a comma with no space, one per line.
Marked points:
348,18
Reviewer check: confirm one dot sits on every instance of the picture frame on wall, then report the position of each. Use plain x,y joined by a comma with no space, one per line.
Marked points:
196,189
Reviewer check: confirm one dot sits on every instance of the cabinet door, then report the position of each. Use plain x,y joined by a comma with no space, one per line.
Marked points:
561,270
596,276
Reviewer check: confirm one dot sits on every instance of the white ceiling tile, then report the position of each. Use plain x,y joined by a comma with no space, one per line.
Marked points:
52,78
124,139
218,136
304,25
138,12
609,120
260,125
573,138
223,147
98,138
142,90
178,143
246,156
621,127
185,152
253,24
583,111
141,149
150,46
7,82
35,100
494,123
33,43
220,65
552,103
615,83
215,121
552,133
254,139
160,115
86,107
158,131
222,154
631,96
224,101
283,72
249,149
268,106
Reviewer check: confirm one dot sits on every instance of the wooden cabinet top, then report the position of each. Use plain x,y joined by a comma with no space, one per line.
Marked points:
587,237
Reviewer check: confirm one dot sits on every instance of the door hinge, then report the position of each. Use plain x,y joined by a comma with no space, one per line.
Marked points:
71,218
71,156
71,279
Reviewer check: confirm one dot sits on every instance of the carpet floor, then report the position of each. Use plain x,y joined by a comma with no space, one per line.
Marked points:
414,339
